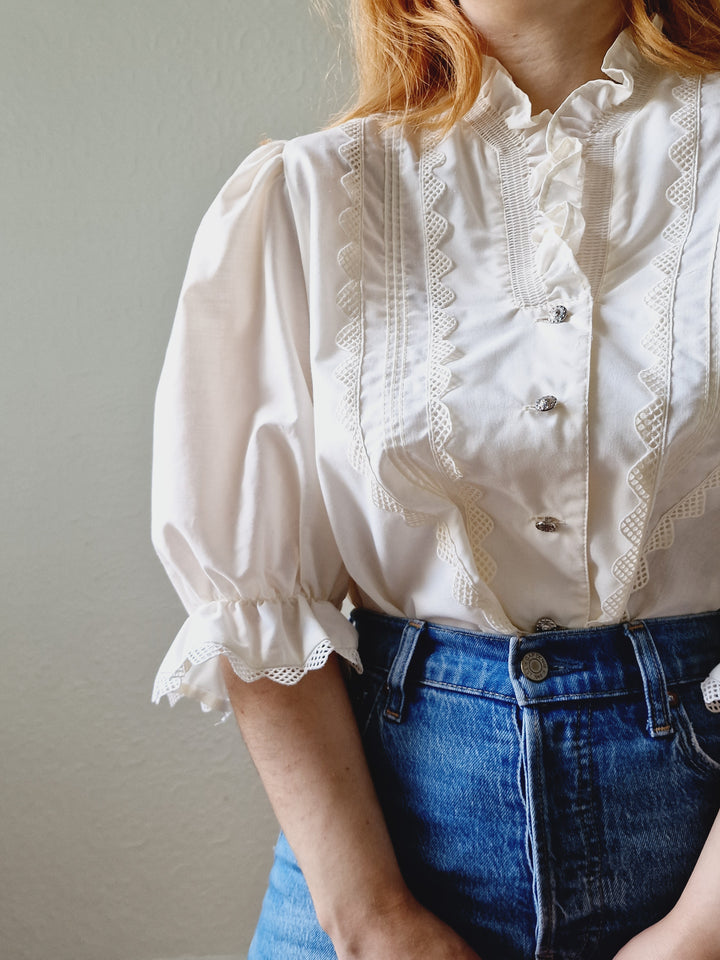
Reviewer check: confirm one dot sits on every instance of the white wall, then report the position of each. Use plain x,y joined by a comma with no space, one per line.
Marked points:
127,832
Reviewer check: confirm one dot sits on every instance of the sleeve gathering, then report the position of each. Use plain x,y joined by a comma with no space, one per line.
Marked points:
239,520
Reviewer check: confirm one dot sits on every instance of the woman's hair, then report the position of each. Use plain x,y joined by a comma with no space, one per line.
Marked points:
419,61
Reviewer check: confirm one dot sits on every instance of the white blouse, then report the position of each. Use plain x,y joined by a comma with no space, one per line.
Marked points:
478,376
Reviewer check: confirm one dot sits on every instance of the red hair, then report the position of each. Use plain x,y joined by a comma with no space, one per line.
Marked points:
419,61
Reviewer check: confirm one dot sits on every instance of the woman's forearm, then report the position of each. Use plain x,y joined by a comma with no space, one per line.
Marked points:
305,744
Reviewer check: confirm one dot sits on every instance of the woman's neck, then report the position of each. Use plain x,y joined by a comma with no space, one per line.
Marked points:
549,49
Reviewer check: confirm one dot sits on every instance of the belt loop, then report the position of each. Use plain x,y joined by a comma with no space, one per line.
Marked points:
659,723
395,703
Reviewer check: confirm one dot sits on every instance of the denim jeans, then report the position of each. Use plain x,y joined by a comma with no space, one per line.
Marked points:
547,796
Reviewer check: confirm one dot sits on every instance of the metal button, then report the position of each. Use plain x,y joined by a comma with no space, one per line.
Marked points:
534,667
544,624
546,403
547,524
558,314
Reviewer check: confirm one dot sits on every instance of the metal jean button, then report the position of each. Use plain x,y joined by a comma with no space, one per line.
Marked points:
534,667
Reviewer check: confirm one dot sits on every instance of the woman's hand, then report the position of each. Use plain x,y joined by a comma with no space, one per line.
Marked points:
673,938
405,931
691,931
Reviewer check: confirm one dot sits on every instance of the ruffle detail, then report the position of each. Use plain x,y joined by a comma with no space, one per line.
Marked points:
651,421
543,161
581,110
278,639
557,182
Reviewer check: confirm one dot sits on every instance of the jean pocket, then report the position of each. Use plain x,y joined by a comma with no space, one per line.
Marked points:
364,690
698,729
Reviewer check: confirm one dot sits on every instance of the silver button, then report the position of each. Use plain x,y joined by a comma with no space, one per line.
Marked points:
558,314
546,403
544,624
547,524
534,667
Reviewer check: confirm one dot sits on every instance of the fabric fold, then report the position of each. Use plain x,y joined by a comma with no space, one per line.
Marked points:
278,639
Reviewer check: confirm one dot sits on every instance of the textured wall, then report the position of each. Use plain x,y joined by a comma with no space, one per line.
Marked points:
128,832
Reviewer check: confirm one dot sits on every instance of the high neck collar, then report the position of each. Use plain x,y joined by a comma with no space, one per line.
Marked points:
623,65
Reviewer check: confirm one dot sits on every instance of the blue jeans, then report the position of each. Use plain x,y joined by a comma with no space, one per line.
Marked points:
547,796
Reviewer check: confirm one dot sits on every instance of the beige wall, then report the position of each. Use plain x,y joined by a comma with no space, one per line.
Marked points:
127,832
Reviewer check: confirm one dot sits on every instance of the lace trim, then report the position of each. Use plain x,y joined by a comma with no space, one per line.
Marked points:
351,339
708,417
651,421
691,506
598,189
442,324
518,206
711,690
169,685
478,524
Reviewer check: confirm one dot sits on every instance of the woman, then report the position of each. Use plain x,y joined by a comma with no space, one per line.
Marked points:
460,352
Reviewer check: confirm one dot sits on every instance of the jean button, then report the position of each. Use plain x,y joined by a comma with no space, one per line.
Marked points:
534,667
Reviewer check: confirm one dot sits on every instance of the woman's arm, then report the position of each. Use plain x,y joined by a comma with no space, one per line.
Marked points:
305,744
691,931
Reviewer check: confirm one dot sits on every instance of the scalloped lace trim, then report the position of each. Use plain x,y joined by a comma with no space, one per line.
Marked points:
351,339
479,524
691,506
651,421
169,685
440,297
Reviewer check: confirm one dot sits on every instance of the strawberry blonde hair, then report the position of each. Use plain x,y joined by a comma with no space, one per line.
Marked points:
420,60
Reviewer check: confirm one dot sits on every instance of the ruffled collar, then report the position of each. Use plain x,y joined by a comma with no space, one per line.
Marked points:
549,151
623,66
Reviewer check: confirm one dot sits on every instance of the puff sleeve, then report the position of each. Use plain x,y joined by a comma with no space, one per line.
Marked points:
239,521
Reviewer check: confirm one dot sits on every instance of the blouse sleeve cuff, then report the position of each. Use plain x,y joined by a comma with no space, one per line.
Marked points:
278,639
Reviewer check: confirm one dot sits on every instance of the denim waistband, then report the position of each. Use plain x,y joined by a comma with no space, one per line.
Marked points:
646,656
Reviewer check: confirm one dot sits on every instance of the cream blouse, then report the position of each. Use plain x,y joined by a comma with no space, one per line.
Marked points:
479,376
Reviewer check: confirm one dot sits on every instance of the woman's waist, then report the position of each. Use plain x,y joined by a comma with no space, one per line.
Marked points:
550,665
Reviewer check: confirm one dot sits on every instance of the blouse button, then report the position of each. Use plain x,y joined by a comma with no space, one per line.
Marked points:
546,403
547,524
544,624
558,314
